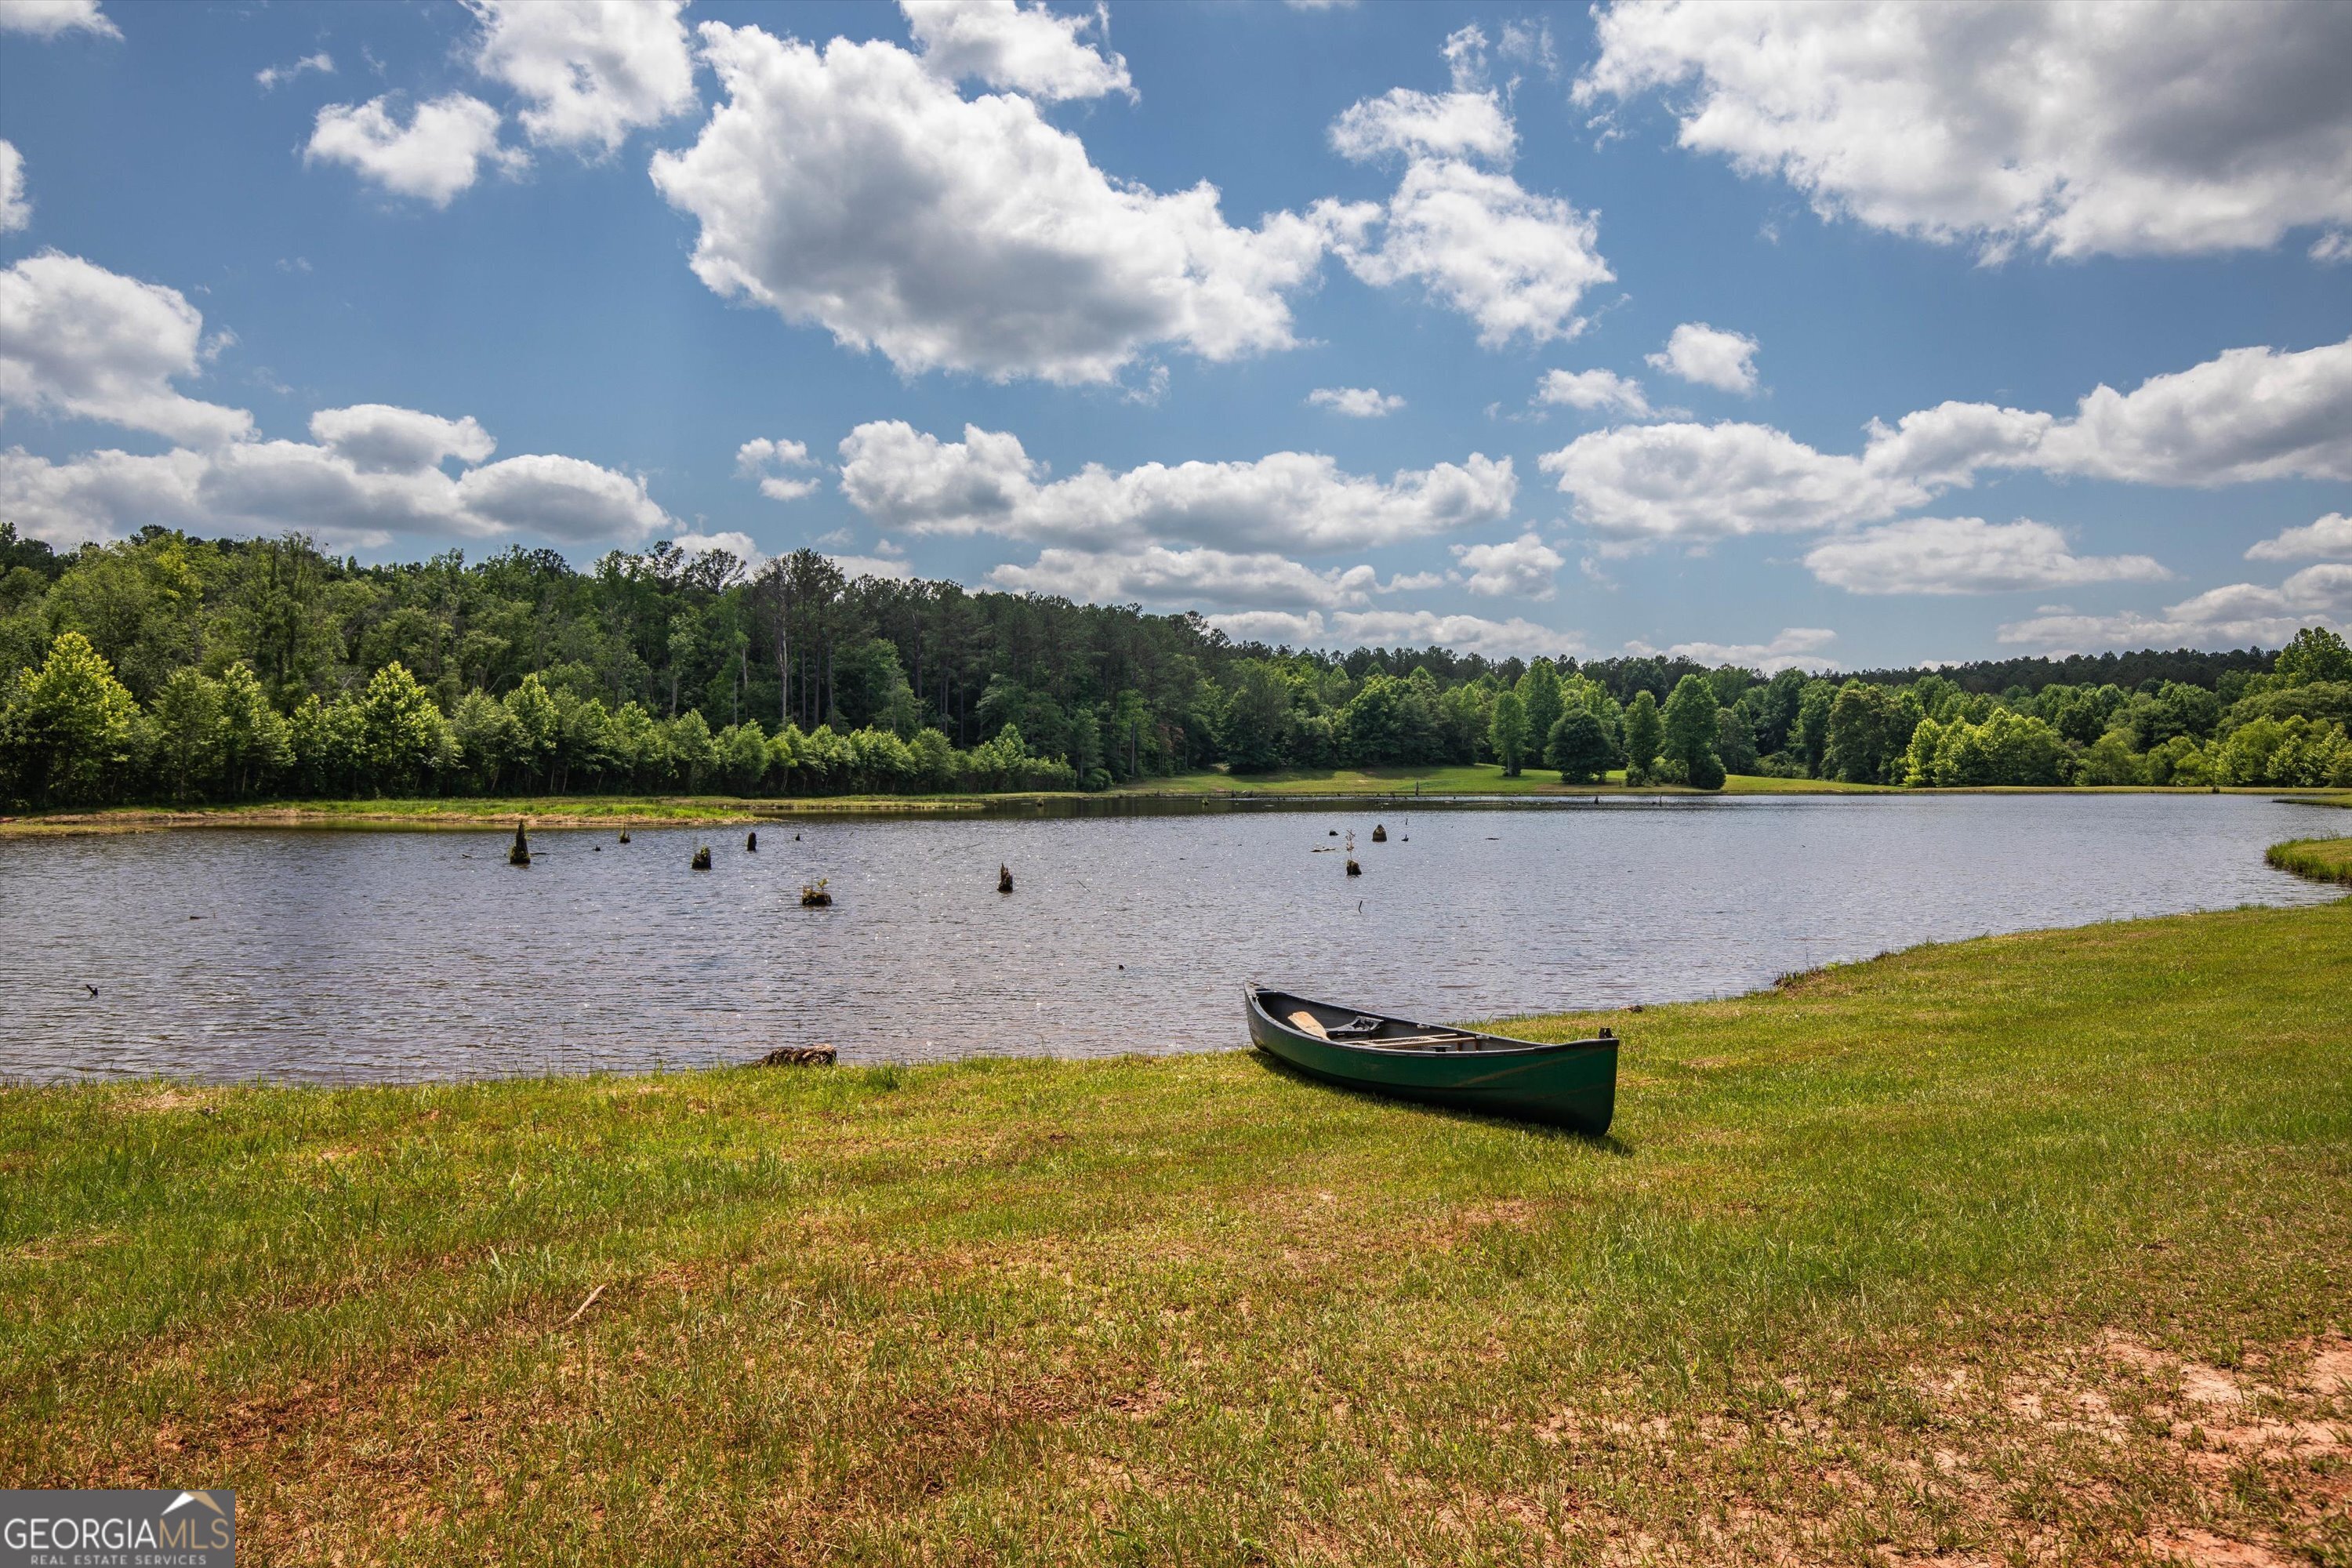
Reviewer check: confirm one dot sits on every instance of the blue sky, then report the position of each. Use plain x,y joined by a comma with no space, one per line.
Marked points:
1601,306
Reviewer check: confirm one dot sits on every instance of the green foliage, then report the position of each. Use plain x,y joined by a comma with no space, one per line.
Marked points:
1809,733
1690,730
2006,749
1538,692
263,667
2329,701
1735,741
189,732
2296,753
1644,735
1869,732
1577,746
1259,720
69,728
1506,732
2316,654
401,734
2112,760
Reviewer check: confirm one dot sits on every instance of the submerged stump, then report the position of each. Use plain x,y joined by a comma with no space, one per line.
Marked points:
814,895
800,1057
625,836
1354,869
702,859
1380,834
1003,877
521,853
751,841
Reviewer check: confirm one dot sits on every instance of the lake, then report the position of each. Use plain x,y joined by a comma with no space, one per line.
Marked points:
341,956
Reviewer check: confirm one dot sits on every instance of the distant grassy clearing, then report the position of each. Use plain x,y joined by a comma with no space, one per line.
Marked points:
2035,1247
1475,778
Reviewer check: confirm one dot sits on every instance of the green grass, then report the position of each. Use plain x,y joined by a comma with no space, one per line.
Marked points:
548,811
2322,859
1477,778
1951,1252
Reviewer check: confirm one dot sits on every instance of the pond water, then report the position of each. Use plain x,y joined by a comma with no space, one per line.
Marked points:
322,956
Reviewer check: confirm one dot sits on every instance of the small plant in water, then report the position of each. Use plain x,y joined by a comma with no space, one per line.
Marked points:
814,895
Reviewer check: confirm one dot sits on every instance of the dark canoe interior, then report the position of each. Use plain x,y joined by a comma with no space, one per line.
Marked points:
1359,1030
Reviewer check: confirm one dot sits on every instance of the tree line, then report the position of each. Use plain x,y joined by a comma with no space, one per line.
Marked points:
171,668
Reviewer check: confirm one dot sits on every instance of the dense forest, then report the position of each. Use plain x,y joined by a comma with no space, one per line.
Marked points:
172,668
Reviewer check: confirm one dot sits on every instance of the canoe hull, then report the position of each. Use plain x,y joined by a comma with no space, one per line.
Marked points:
1572,1085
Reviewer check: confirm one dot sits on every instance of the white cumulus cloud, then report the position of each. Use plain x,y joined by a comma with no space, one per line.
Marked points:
1796,647
589,71
1027,49
271,76
1465,634
2247,415
733,542
15,212
2073,129
1514,261
1591,390
2328,539
1471,124
79,340
1696,484
1157,575
47,18
771,464
1521,568
1355,401
1967,555
1709,357
437,155
987,483
1397,628
373,472
852,188
378,437
2238,615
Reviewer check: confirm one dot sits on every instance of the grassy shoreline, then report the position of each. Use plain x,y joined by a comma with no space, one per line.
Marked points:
2031,1247
684,811
2321,860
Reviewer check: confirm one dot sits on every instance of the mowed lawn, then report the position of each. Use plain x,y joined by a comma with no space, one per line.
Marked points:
2030,1249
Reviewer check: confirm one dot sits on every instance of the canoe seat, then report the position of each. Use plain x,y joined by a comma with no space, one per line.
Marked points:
1307,1023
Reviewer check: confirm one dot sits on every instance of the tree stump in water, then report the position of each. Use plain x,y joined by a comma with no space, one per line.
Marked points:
814,896
751,841
625,836
1380,834
702,859
1003,877
1354,869
521,853
800,1057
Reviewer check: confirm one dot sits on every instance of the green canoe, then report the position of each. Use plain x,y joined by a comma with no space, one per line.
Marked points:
1572,1084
